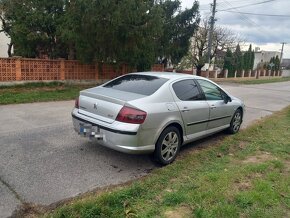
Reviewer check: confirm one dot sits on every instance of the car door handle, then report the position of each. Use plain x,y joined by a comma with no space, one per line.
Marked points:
212,106
185,109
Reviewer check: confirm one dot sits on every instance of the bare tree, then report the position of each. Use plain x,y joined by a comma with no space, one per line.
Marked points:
223,38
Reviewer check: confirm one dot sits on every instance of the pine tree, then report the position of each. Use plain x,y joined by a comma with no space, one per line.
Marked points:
246,60
252,59
238,59
228,63
277,63
249,57
105,31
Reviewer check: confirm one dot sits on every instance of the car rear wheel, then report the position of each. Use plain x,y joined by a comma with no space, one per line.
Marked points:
236,122
167,146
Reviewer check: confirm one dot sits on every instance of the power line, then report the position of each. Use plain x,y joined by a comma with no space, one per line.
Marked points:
255,14
243,6
248,20
244,18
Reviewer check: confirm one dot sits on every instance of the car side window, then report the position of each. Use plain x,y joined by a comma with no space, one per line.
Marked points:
211,91
187,90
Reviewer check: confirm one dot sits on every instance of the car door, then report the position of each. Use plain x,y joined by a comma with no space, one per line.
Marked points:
220,110
192,105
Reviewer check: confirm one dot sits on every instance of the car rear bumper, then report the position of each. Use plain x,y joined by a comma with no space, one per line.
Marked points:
118,136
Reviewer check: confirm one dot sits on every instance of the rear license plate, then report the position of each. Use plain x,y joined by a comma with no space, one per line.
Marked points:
88,130
82,129
85,128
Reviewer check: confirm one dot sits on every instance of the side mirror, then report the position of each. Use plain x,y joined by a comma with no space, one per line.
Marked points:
227,99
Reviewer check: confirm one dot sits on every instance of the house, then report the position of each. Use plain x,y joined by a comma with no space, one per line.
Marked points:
262,57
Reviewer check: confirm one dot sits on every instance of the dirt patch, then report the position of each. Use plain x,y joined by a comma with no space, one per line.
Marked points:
287,166
259,158
29,211
180,212
242,145
244,185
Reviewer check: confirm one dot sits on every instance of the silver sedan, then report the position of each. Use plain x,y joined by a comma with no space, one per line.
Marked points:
155,112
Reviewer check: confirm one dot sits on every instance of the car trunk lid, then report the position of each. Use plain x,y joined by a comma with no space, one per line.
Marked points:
104,104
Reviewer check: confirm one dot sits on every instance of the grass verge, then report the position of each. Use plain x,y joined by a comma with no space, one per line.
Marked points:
245,175
39,92
57,91
260,81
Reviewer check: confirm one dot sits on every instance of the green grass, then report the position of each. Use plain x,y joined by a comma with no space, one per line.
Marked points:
260,81
245,175
39,92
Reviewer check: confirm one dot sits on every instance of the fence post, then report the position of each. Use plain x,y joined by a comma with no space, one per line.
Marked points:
215,74
226,73
96,71
18,69
62,69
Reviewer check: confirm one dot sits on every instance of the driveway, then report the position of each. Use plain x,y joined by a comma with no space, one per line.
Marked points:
43,161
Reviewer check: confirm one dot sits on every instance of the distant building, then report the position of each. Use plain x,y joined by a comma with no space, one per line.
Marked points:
262,57
285,64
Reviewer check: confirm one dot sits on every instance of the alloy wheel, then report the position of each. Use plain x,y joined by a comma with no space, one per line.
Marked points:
237,121
169,146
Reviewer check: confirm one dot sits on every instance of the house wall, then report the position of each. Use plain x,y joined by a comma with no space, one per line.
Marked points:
264,56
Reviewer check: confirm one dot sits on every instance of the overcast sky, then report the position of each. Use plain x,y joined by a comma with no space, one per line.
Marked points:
266,32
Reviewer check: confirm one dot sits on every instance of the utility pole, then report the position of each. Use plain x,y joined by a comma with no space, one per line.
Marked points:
212,21
282,50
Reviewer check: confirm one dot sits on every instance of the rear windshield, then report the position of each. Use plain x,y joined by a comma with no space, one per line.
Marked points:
139,84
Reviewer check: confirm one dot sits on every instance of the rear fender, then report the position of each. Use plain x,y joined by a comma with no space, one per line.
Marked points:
167,123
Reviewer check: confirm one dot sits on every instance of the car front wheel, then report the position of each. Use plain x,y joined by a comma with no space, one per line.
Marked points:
236,122
167,146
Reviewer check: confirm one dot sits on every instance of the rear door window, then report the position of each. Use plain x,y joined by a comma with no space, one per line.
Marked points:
187,90
139,84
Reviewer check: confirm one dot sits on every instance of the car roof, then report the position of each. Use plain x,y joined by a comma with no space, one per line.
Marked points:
168,75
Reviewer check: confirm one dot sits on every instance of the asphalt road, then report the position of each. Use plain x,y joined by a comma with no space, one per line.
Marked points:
42,160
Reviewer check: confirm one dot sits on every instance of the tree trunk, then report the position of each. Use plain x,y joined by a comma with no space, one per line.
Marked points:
198,70
9,51
71,52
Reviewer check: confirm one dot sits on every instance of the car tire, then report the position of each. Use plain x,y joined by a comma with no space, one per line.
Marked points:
236,122
167,146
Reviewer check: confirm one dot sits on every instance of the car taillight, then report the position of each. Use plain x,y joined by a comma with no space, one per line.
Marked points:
131,115
77,103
